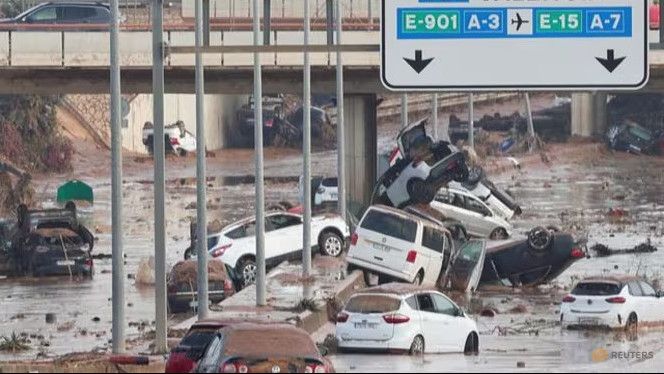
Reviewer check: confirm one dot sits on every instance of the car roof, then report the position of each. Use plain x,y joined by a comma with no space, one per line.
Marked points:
221,322
252,218
259,339
398,212
400,289
611,279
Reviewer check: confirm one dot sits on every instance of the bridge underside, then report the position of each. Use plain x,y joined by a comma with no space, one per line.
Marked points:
218,80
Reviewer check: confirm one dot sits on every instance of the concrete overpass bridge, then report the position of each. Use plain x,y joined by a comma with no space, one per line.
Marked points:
76,62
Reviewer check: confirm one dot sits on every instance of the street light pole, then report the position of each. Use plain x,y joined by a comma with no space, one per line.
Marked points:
116,188
159,178
306,148
261,298
341,145
201,185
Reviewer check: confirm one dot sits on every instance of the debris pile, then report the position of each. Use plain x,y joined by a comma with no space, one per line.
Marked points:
602,250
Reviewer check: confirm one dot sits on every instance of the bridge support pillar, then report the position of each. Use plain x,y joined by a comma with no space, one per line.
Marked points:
361,149
589,114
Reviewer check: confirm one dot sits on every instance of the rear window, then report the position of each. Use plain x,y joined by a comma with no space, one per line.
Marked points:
263,342
596,289
373,304
198,339
390,225
330,182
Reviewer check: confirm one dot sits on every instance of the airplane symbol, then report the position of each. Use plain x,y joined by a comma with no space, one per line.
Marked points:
519,21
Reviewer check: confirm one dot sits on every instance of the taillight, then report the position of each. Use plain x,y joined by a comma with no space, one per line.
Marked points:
88,262
577,253
175,141
269,122
218,252
313,368
616,300
396,319
412,255
353,239
235,367
342,317
569,299
228,285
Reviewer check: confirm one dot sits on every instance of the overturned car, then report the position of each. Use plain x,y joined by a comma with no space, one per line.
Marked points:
50,242
421,168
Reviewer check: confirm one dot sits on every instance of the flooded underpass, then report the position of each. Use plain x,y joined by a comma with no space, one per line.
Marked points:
575,195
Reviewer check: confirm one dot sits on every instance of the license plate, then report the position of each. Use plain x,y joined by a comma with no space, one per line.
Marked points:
381,247
66,263
334,196
365,325
588,321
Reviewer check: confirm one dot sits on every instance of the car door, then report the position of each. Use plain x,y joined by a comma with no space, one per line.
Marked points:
477,213
453,336
650,299
286,236
242,240
639,303
434,325
78,14
433,242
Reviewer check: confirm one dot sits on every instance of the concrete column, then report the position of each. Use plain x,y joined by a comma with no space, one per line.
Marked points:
582,114
361,149
600,109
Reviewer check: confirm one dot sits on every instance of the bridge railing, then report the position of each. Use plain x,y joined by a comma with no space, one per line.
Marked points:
91,48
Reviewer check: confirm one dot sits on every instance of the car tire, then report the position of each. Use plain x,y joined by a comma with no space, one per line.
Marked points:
472,346
632,324
247,270
499,233
368,278
462,174
540,239
420,192
417,346
331,244
419,278
21,214
182,152
475,175
188,254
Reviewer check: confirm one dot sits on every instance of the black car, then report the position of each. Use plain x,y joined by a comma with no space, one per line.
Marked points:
630,137
59,13
51,242
537,259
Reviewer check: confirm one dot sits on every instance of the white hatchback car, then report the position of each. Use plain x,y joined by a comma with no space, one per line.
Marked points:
501,203
324,190
614,302
397,245
235,245
405,318
476,216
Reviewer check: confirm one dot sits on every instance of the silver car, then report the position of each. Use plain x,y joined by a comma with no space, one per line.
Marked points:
478,219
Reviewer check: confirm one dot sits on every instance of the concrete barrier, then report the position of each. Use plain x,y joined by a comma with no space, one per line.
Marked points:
4,48
187,38
34,48
86,48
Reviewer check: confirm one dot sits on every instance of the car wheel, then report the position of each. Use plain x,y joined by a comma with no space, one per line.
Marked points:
462,174
540,239
475,175
632,325
247,270
498,233
420,192
182,152
331,244
371,279
472,346
189,253
417,347
418,278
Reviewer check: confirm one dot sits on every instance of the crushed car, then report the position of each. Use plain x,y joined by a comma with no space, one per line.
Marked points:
177,139
478,218
633,138
263,348
498,200
420,168
183,285
536,259
50,242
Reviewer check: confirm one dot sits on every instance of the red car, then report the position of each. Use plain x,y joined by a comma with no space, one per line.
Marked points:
653,16
184,358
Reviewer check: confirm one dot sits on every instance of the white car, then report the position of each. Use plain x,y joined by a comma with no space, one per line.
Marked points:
399,317
324,190
235,245
177,139
615,302
397,245
496,199
476,216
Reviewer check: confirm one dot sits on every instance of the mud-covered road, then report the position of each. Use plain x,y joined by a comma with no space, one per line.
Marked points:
570,192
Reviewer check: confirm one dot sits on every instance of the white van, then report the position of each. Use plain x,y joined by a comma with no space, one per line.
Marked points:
397,245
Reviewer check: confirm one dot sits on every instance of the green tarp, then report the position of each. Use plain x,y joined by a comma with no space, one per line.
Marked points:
75,190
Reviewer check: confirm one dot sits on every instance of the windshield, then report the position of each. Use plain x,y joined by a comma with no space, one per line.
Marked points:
596,289
373,304
390,225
